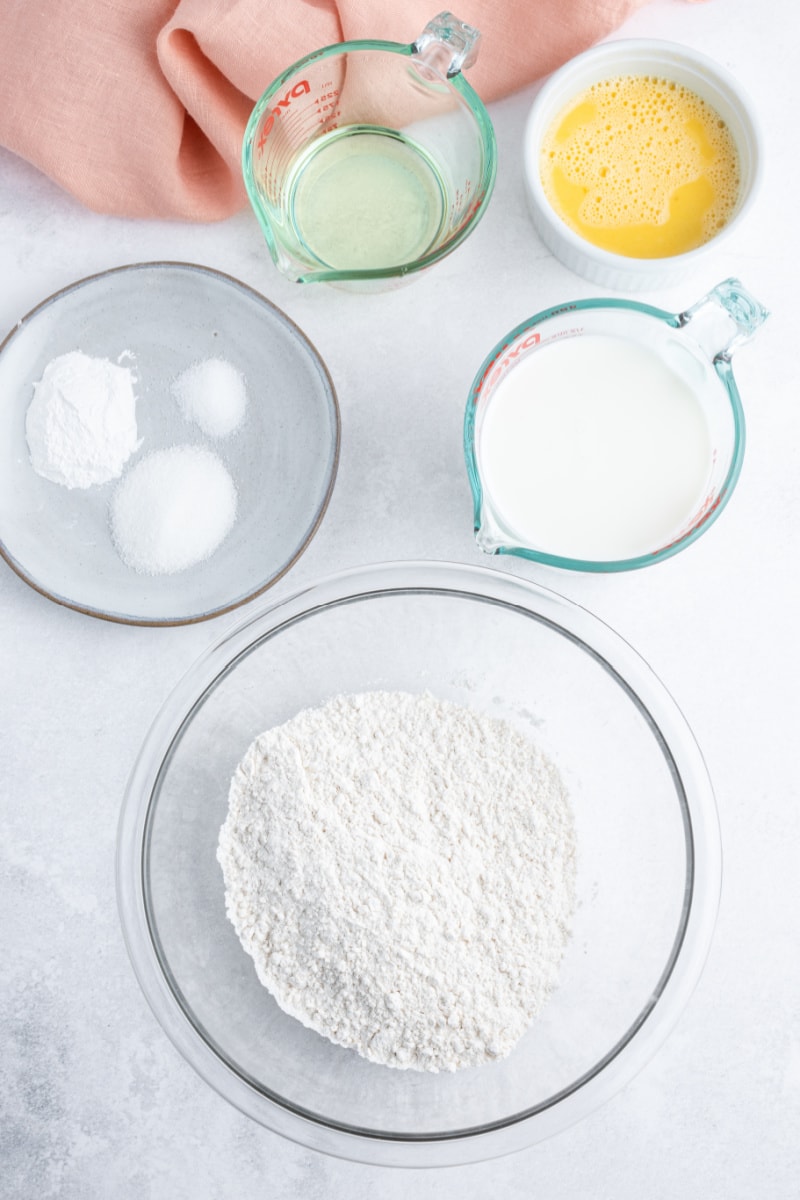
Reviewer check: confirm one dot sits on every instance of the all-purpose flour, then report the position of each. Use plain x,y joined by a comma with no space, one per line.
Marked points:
402,871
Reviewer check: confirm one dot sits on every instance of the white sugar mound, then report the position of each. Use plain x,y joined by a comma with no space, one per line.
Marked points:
172,510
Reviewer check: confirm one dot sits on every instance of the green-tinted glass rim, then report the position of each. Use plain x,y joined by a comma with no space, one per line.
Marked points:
485,184
598,566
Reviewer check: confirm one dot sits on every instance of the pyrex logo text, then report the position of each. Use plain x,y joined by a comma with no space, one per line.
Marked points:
300,89
495,369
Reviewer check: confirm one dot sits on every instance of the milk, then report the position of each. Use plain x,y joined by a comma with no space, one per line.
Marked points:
594,448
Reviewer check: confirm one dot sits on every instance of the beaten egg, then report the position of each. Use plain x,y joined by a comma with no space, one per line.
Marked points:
641,166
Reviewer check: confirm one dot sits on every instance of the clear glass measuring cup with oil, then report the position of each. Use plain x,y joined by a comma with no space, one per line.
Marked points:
368,161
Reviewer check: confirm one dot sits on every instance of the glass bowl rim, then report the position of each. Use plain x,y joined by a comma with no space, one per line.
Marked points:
689,951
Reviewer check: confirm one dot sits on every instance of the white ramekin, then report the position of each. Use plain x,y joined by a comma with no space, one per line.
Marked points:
639,56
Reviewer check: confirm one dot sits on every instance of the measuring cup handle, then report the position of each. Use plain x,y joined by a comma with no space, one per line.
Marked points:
447,45
733,300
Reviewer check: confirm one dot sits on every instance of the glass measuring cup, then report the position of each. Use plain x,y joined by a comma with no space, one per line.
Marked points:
369,160
695,345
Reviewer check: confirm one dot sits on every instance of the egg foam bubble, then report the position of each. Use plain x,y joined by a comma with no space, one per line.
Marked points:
641,166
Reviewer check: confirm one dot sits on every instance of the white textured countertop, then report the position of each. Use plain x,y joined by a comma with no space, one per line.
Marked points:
95,1100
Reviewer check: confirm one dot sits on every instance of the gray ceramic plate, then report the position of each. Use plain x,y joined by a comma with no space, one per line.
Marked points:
283,459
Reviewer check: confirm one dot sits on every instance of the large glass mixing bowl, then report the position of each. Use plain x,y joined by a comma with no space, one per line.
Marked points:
648,857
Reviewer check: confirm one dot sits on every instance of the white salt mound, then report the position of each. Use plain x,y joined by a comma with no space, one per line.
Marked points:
81,423
213,395
172,510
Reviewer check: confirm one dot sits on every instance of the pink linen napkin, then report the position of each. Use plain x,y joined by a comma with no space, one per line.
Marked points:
138,107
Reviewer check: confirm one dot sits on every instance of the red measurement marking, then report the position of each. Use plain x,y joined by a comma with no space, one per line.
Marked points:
709,505
476,203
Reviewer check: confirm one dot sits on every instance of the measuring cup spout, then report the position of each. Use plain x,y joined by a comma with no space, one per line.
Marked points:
731,314
447,45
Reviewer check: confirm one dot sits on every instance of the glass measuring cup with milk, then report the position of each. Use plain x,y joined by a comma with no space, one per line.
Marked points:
368,161
604,435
